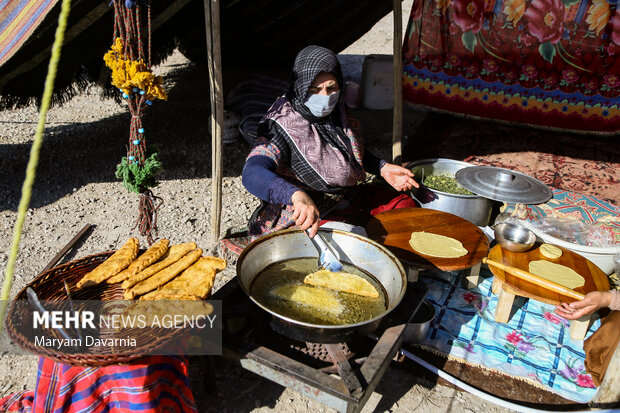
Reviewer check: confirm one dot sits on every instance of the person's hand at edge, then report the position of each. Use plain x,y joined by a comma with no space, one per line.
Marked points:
305,212
398,177
593,301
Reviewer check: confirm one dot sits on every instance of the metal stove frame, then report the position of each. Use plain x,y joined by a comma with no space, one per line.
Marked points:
356,379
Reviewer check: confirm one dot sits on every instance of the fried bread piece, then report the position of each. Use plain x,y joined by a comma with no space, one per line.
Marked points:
317,298
113,265
162,277
342,281
167,314
196,280
156,295
175,253
151,255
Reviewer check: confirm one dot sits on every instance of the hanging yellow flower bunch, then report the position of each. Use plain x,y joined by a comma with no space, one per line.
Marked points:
128,75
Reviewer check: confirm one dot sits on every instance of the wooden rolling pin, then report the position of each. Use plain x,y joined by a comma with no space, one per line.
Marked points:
535,279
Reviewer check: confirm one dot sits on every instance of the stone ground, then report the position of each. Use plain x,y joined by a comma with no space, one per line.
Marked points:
75,185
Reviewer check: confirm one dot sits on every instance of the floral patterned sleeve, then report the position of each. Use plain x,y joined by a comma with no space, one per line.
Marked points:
268,149
353,131
271,143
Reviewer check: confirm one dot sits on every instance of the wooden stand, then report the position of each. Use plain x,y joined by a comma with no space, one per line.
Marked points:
578,328
393,230
509,286
473,277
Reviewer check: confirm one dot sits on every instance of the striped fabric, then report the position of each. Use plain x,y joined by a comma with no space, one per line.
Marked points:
18,19
154,384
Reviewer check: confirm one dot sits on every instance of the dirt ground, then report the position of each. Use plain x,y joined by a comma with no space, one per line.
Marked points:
75,185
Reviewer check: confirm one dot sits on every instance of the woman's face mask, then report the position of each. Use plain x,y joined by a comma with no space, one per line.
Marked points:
322,105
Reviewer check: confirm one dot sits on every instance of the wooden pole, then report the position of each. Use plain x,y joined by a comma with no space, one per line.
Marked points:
212,23
397,127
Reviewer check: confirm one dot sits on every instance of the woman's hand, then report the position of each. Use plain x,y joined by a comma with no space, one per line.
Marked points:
400,178
593,301
306,214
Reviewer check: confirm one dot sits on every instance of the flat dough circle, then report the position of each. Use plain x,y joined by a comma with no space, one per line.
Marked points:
557,273
436,245
550,251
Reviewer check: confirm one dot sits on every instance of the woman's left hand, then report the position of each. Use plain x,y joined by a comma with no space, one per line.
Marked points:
400,178
594,300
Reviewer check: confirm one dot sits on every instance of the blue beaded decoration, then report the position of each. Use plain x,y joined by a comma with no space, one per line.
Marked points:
141,130
136,142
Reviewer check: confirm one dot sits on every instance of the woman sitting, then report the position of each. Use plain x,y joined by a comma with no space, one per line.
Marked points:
309,158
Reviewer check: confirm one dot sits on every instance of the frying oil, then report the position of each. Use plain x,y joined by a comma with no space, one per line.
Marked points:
347,308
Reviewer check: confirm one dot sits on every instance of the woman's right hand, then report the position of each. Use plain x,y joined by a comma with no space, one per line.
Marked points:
593,301
305,212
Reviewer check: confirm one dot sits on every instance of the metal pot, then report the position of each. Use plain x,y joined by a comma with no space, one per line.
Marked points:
417,329
353,249
474,208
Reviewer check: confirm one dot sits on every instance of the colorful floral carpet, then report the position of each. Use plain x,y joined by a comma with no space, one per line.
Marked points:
533,346
585,164
547,63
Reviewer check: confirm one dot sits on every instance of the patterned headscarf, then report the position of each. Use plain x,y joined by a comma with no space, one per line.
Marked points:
311,61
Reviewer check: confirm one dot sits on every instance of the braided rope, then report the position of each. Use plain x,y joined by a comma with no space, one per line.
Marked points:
117,24
147,219
127,38
31,169
136,150
139,35
134,41
148,8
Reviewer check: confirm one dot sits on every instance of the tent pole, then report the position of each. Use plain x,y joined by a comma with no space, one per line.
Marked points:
397,126
212,23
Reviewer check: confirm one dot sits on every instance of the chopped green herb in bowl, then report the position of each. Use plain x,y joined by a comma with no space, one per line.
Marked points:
445,183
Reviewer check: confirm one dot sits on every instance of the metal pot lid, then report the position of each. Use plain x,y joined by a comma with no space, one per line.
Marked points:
503,185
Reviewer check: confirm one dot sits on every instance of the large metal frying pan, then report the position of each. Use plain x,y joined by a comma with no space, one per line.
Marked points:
353,249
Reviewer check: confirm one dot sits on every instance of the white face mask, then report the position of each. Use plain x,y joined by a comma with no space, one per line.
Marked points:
322,105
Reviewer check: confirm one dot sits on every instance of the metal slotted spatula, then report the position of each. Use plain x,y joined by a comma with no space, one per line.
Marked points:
328,256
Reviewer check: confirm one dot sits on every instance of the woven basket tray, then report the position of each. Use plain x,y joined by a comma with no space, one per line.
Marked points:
49,286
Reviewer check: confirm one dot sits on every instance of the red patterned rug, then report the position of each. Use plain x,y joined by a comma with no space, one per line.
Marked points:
585,164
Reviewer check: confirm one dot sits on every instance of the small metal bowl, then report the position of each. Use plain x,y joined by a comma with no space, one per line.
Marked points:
514,237
417,329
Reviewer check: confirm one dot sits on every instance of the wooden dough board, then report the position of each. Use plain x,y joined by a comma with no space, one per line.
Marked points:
595,278
393,229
